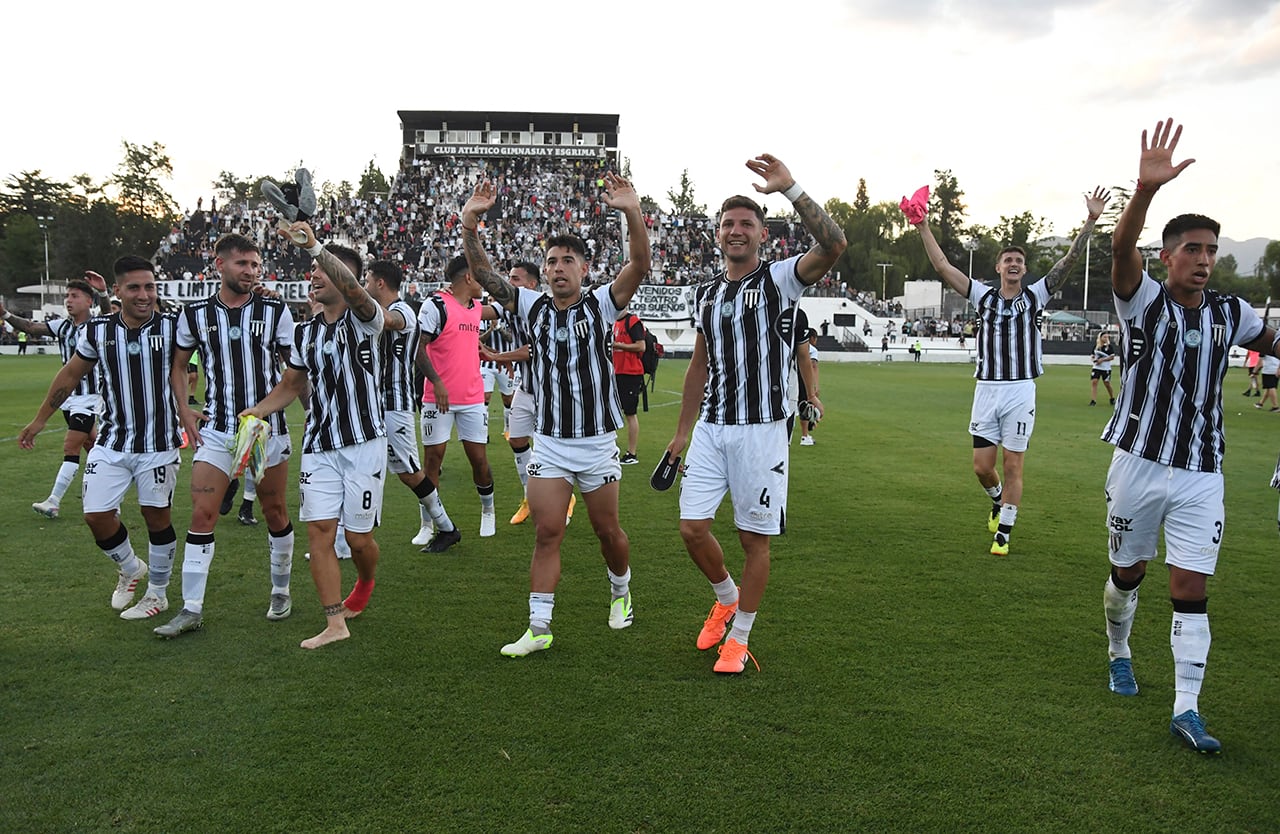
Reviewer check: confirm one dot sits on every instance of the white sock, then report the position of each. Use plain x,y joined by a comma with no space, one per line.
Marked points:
125,559
1119,607
995,492
161,557
486,498
726,590
506,418
281,559
522,466
619,584
433,508
1008,515
340,547
197,555
742,622
250,489
540,608
61,483
426,516
1189,639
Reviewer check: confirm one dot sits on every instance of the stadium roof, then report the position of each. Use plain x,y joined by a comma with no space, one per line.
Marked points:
507,120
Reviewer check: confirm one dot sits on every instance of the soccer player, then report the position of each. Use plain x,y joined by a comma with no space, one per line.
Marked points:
1166,470
1009,360
344,446
1103,354
138,441
499,338
450,325
576,400
737,384
240,338
399,347
81,407
628,345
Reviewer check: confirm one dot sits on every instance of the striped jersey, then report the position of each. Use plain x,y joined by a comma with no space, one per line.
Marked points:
747,326
1173,360
499,338
519,338
138,413
67,332
399,351
1009,338
342,364
570,365
240,349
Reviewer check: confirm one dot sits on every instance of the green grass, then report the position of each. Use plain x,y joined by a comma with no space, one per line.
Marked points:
911,682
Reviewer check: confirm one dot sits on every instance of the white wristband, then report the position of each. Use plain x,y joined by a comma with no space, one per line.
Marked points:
793,193
8,314
316,250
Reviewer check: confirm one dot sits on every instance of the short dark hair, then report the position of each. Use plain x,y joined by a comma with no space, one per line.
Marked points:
80,285
457,267
567,241
1183,223
388,271
233,242
131,263
1018,249
738,201
531,268
348,256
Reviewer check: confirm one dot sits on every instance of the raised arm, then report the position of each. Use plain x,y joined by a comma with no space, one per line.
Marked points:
344,281
955,279
1095,203
829,239
480,201
33,328
621,195
1155,168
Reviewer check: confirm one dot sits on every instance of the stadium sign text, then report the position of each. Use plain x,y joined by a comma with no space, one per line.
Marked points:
184,292
653,302
571,151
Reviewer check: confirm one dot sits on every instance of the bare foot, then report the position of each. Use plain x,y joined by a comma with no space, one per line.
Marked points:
348,614
324,638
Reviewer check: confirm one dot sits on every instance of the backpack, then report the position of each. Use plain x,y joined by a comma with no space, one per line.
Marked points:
653,351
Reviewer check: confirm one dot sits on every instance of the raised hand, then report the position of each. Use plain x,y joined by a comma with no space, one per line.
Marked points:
1097,201
777,177
95,280
480,201
619,193
1155,166
299,232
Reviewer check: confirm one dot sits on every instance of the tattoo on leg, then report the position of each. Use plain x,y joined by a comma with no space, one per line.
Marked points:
333,610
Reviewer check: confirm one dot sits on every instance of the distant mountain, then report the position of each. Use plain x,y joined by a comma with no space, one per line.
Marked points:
1247,252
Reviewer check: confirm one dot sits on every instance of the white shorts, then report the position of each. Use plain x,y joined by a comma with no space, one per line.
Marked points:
345,484
1143,495
497,378
82,404
218,449
589,462
1004,413
472,422
748,462
521,422
108,473
402,442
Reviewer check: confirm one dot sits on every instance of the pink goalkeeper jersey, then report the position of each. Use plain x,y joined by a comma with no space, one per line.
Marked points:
455,348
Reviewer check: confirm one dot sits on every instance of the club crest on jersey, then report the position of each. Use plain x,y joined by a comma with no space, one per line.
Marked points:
329,348
1219,334
257,327
1191,338
134,348
750,298
726,310
234,332
155,342
562,334
1018,306
582,329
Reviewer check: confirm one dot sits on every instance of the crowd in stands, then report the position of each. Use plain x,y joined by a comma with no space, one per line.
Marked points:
416,225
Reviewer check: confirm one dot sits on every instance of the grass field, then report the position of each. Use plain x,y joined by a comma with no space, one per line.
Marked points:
910,681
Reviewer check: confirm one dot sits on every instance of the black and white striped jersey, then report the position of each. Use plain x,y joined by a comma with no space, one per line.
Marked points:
67,332
1009,336
1173,360
747,326
138,413
240,350
500,337
517,336
399,350
571,367
342,363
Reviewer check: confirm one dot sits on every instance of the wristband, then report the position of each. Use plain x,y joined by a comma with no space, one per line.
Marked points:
1141,187
475,229
8,314
315,250
793,193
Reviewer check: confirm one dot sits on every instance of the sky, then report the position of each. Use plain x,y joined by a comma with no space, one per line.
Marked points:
1029,104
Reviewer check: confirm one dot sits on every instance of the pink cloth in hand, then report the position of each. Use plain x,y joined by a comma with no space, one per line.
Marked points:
917,207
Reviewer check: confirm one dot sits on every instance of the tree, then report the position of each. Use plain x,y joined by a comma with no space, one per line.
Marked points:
683,202
1022,230
861,202
372,182
33,193
235,189
946,213
1268,267
138,181
21,252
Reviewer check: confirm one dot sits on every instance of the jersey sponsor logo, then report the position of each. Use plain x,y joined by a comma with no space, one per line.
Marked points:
1137,343
779,468
234,332
562,334
304,478
726,310
1191,339
329,348
134,348
91,468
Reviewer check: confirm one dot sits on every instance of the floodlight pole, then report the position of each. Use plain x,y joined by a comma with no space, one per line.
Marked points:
1087,246
884,281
